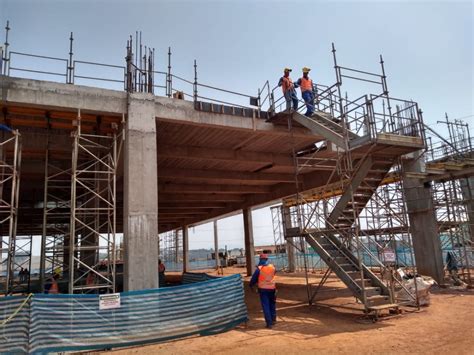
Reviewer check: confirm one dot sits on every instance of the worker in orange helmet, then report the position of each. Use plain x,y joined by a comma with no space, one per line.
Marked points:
307,91
289,91
264,277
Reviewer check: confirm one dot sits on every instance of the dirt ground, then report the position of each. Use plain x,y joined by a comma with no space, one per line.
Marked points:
336,326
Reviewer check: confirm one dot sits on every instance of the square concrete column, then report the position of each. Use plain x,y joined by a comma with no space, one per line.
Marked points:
140,195
423,224
186,249
216,245
249,245
467,190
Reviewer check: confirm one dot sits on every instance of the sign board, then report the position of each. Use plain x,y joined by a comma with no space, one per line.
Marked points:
389,256
109,301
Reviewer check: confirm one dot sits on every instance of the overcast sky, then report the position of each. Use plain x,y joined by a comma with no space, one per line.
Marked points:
427,48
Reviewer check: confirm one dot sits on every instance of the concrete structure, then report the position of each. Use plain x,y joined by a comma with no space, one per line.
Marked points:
180,166
140,194
423,225
249,243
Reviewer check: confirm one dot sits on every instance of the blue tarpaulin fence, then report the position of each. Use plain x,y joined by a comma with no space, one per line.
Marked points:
54,323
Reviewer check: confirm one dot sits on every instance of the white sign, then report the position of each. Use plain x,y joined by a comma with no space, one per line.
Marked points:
389,256
109,301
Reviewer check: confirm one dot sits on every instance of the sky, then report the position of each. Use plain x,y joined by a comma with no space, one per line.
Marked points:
427,47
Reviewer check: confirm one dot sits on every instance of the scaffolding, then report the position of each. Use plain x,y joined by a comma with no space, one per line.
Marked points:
15,252
56,218
453,197
356,221
171,249
92,241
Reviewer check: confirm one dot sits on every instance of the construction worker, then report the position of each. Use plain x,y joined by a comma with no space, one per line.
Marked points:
307,91
288,90
54,288
264,277
161,273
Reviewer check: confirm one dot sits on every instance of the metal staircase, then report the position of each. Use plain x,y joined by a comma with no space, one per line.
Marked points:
321,123
362,282
362,185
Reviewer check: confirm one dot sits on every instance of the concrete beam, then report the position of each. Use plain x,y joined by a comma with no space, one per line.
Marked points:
206,189
249,243
38,93
171,110
199,197
177,205
140,196
219,175
223,155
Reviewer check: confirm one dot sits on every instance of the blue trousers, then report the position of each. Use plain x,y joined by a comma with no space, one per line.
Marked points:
290,96
308,98
268,300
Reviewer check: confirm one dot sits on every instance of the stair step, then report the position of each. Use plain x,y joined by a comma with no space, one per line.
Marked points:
383,306
377,300
367,282
372,291
348,267
341,259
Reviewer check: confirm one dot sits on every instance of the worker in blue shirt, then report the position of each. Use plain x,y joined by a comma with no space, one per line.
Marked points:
264,277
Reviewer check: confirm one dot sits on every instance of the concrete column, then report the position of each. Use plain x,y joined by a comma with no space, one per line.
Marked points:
467,189
185,249
216,245
140,195
423,225
249,245
290,249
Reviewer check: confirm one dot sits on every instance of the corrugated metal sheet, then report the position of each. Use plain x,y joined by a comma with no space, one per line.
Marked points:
14,332
53,323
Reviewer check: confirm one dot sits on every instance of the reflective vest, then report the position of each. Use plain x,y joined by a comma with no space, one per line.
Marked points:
266,277
54,288
287,84
306,84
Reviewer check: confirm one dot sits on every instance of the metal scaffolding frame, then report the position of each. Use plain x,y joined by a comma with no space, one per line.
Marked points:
14,255
56,219
171,249
92,242
453,198
368,229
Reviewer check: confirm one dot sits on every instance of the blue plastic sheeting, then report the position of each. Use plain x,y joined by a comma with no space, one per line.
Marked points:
192,277
56,323
14,332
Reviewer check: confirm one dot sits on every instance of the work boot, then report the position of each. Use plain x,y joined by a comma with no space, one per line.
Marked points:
268,326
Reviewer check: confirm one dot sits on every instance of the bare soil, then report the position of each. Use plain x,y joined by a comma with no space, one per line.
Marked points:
336,325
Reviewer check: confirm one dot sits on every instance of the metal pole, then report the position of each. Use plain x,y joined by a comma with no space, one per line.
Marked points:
45,220
195,82
72,234
70,68
169,86
5,53
216,245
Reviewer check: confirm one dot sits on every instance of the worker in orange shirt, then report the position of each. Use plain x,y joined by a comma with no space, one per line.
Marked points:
264,277
307,91
288,90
